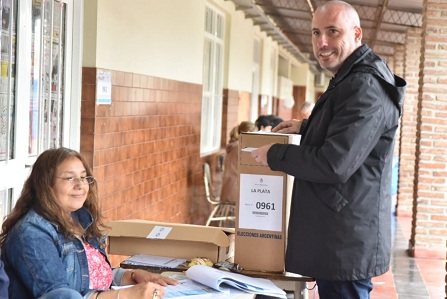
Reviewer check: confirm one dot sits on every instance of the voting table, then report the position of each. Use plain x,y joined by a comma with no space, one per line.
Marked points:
287,281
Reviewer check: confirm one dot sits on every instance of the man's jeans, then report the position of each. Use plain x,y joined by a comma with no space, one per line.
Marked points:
331,289
62,293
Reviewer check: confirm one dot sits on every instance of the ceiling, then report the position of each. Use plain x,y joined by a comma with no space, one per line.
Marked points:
384,23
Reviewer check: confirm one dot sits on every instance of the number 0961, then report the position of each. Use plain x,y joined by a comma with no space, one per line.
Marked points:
265,206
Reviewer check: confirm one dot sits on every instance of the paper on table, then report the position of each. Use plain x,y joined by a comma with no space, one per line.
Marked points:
214,278
122,287
189,289
249,149
156,261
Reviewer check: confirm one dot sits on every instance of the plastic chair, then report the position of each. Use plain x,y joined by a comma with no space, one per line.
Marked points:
222,211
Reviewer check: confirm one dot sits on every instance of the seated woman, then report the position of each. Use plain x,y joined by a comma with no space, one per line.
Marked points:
4,282
52,243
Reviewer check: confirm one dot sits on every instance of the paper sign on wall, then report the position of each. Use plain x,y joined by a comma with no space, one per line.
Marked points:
261,200
103,87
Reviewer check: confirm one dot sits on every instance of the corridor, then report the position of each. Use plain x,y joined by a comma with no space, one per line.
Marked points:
409,278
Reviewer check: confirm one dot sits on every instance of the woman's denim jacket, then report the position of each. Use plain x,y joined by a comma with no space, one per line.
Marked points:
39,259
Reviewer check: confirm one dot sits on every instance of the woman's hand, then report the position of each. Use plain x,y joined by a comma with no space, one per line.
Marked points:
288,127
143,290
138,276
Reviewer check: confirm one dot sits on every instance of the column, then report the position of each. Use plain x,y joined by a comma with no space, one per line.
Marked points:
407,148
430,201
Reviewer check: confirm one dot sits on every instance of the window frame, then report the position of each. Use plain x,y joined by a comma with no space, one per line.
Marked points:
212,84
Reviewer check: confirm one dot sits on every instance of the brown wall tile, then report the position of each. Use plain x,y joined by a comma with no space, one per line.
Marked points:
144,148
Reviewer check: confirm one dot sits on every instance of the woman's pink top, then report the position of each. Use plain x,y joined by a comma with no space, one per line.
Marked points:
99,270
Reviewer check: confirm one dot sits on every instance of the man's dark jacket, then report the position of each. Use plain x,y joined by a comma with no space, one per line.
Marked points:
340,218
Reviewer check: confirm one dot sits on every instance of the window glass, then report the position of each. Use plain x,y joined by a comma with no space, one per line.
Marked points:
7,78
212,81
47,70
5,203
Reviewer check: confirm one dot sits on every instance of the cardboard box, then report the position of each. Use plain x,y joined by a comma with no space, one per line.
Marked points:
262,209
130,237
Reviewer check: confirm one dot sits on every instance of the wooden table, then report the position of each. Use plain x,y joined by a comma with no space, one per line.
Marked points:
229,296
287,281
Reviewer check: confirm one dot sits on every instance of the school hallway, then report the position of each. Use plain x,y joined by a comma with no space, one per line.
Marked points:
408,278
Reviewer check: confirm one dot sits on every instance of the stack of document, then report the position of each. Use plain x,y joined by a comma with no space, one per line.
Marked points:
223,280
190,289
155,261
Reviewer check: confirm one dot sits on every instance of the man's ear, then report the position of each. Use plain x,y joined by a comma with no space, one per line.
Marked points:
358,34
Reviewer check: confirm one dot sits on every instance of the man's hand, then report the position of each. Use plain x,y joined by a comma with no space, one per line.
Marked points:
260,154
288,127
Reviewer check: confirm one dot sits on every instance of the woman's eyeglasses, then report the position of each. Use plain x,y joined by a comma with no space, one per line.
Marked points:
82,180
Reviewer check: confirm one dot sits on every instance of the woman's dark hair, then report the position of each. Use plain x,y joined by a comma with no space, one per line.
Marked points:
38,194
263,121
275,120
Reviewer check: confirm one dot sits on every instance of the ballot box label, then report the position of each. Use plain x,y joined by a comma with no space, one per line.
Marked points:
261,200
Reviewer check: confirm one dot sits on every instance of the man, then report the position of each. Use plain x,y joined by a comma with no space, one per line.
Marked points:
340,218
305,110
304,114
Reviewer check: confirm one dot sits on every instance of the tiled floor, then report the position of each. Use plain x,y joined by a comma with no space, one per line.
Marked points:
409,278
415,277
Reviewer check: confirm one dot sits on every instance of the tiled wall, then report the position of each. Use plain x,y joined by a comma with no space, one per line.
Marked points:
236,108
229,113
263,109
145,148
299,95
244,106
278,108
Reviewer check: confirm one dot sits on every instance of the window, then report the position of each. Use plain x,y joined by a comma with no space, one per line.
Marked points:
8,12
5,203
254,112
212,81
40,86
47,75
272,73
